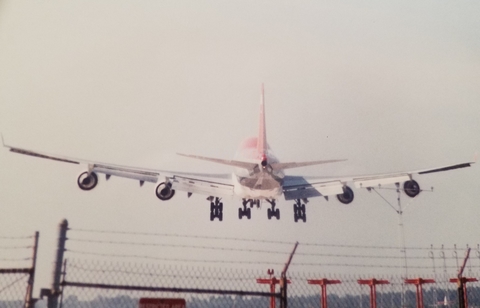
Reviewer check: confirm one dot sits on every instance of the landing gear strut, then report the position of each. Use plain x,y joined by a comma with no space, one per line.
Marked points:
216,209
273,212
245,211
299,211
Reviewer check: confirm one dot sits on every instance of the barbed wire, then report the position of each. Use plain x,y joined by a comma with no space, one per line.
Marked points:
257,240
248,250
16,259
116,271
181,246
171,259
16,237
249,262
15,247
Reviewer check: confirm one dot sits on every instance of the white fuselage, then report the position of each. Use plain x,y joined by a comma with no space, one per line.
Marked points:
263,183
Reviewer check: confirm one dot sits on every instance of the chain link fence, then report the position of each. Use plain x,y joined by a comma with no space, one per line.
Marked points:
17,271
13,287
89,283
121,285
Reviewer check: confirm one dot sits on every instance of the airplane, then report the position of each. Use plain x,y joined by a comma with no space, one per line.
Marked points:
257,176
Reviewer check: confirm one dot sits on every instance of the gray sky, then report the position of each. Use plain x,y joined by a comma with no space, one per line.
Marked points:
391,86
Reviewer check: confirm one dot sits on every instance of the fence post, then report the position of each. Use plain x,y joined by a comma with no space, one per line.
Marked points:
29,301
57,267
284,281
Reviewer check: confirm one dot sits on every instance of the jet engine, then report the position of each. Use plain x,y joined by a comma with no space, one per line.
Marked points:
411,188
347,196
87,181
164,191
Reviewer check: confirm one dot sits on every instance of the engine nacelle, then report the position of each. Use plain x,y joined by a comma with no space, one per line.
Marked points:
411,188
87,181
164,191
347,196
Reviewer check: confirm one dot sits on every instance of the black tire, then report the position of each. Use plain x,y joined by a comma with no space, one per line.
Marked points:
302,207
220,216
249,213
277,214
411,188
240,213
269,213
347,196
295,217
164,191
212,216
87,181
220,207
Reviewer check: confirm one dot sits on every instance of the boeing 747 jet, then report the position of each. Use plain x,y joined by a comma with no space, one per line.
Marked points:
257,176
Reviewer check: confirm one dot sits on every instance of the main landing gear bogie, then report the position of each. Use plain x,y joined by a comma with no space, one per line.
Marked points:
299,211
272,212
216,209
245,211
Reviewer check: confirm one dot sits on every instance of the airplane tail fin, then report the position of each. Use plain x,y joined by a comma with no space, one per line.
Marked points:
262,132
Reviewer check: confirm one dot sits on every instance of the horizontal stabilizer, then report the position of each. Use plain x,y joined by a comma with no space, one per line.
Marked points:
282,166
234,163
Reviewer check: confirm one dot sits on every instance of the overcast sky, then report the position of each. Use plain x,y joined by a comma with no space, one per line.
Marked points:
390,85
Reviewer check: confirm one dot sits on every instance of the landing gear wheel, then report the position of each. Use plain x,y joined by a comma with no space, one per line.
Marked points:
272,211
216,210
244,211
87,181
299,211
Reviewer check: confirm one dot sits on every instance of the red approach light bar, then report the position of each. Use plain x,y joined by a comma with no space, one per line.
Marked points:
418,282
162,303
372,283
323,284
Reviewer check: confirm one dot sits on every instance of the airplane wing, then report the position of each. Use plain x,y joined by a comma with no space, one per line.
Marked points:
298,187
218,185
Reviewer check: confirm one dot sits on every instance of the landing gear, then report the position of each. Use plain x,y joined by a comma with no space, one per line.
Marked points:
272,212
216,209
299,211
245,211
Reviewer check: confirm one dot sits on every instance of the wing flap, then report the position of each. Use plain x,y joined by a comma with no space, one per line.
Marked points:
140,175
379,181
283,166
233,163
299,188
204,187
